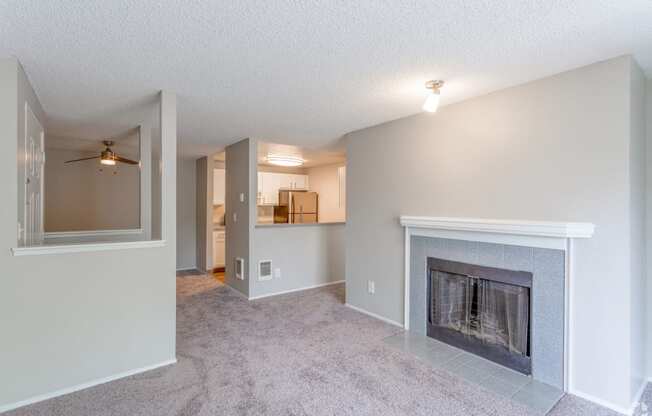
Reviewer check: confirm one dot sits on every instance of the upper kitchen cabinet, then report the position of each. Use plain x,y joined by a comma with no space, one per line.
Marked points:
269,184
218,186
298,181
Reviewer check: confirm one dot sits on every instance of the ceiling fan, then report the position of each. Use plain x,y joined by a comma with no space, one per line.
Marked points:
107,156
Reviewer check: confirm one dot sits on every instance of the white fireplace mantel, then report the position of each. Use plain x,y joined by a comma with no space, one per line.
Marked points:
542,234
514,227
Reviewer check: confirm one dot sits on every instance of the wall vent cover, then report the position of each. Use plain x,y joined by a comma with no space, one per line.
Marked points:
265,270
239,268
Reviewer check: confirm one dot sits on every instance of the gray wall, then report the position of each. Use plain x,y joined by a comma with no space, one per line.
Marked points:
90,196
555,149
240,179
186,214
637,173
202,212
308,255
74,318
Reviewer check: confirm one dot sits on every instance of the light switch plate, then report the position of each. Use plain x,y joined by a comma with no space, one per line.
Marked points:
235,217
241,197
277,273
371,287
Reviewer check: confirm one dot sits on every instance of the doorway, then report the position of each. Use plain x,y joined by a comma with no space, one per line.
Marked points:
219,223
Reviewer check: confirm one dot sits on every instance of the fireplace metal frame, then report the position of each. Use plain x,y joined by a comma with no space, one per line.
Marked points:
522,364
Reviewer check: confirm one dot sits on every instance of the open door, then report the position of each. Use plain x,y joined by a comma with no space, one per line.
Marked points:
33,232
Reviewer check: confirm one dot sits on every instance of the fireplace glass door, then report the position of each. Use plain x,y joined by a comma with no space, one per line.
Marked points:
487,317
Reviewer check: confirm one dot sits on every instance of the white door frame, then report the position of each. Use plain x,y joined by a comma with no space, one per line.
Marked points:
29,239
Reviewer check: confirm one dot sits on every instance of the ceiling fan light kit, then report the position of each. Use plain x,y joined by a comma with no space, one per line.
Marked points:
107,157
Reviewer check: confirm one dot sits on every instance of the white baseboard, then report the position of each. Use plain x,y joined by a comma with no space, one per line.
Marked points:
639,394
236,291
72,389
296,290
373,315
601,402
616,408
184,269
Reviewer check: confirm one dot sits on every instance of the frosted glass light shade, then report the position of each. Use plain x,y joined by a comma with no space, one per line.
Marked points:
285,160
432,102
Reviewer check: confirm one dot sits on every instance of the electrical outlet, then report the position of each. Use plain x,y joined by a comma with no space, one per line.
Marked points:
277,273
371,287
241,197
235,217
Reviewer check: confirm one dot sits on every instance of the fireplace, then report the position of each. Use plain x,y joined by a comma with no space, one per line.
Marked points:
483,310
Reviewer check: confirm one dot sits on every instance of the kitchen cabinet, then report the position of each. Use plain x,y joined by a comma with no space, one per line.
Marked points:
298,181
219,248
270,182
219,188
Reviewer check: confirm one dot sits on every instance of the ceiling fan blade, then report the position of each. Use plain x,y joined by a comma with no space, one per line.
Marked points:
125,160
79,160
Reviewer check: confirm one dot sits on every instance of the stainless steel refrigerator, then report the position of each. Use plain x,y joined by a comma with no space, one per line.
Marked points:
296,207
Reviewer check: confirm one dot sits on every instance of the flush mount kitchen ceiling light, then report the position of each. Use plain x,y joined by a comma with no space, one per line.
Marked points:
284,160
432,102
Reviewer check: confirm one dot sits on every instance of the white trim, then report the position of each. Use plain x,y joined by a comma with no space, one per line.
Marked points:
93,233
514,227
237,292
296,290
241,275
604,403
82,386
82,248
637,397
406,289
185,269
374,315
569,287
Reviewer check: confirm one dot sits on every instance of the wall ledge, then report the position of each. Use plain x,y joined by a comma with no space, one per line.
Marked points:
83,247
92,233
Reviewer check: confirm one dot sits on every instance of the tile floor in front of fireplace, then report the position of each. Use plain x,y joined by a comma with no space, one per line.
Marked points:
538,396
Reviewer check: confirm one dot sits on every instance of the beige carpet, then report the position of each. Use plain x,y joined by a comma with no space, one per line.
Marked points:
298,354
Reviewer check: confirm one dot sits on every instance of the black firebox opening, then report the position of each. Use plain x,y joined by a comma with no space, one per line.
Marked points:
483,310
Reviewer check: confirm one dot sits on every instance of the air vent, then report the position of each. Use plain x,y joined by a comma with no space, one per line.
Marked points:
239,268
265,270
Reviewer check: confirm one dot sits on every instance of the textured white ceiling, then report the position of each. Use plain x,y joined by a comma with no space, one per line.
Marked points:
300,72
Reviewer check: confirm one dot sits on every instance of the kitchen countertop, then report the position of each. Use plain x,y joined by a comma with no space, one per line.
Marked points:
298,225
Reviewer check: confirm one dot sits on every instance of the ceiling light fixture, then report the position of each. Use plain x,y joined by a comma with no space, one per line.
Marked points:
284,160
107,157
109,162
432,102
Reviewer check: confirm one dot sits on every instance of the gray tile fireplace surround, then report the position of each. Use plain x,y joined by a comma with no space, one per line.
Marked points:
547,267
